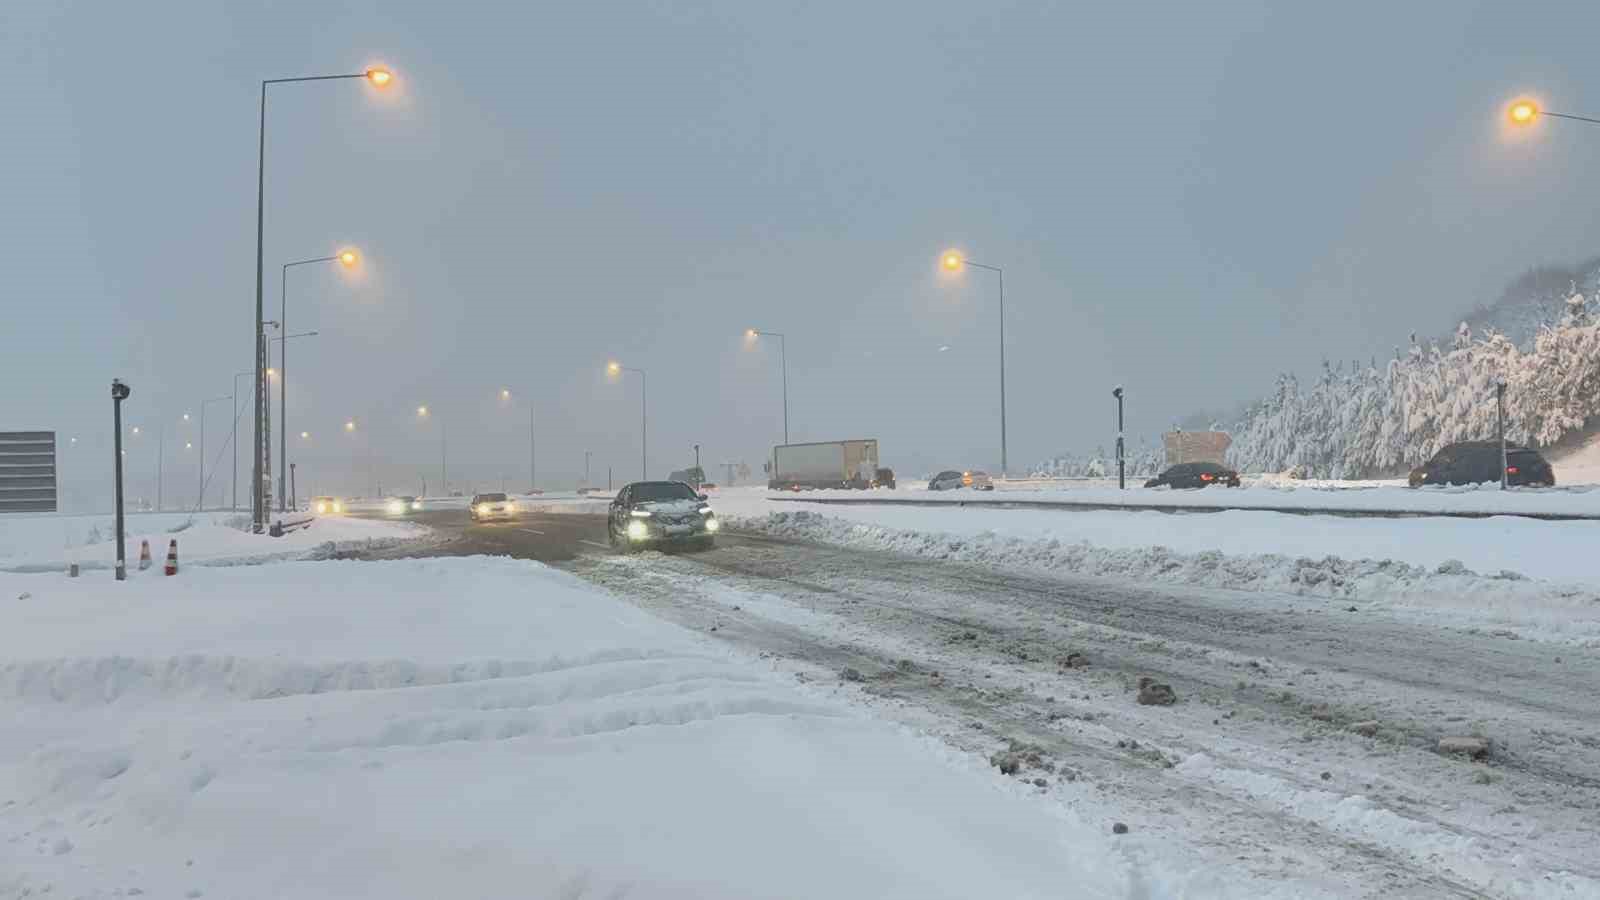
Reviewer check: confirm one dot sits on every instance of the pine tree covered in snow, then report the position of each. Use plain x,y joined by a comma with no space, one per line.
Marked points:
1365,421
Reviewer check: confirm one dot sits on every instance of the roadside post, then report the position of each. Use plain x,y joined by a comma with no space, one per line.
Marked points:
1500,419
1122,477
119,393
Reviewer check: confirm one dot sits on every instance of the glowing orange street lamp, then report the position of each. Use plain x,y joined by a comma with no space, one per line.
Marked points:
348,257
379,76
1525,112
616,369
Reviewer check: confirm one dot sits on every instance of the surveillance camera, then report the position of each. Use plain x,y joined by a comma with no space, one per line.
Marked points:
119,391
1117,392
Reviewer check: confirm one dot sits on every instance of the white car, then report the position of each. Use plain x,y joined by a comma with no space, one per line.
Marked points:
951,480
486,507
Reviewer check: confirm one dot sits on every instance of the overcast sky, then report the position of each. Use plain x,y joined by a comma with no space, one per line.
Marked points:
1187,198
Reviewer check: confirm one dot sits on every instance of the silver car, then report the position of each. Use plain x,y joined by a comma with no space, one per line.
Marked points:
952,480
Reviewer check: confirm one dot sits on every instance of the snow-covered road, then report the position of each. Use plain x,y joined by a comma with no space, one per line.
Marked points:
1263,770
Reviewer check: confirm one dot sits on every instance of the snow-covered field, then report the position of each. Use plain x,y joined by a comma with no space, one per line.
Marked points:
41,543
470,727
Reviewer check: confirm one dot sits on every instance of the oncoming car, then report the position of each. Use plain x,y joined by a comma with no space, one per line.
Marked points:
659,513
486,507
399,506
327,506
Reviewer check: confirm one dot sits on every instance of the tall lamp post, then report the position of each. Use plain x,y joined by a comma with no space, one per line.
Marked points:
260,494
644,416
201,503
346,258
283,426
119,393
444,452
953,262
783,357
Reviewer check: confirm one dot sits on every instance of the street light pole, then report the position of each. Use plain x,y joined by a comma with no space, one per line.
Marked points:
954,261
283,408
119,393
644,417
1500,418
261,469
200,504
348,258
783,359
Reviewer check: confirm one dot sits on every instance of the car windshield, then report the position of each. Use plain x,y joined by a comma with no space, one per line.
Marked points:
492,498
653,491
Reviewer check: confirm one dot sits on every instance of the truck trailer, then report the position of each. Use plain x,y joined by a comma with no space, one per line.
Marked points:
827,464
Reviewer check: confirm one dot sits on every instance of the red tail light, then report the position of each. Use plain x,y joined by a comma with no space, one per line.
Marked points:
1511,470
1207,476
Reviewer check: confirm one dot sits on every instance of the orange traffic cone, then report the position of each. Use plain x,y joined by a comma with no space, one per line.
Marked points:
144,555
172,557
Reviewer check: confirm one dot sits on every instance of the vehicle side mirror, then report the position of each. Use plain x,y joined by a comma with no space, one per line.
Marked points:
702,496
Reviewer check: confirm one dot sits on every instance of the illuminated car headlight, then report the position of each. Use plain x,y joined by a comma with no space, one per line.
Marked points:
322,507
338,507
397,507
712,524
638,530
482,508
416,504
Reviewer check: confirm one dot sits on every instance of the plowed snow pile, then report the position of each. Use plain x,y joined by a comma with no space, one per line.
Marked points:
467,728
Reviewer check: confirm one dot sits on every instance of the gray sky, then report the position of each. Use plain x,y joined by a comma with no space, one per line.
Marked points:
1187,198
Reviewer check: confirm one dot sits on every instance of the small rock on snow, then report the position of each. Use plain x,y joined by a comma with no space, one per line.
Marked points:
1461,745
1154,693
1119,828
61,847
1365,729
24,595
851,673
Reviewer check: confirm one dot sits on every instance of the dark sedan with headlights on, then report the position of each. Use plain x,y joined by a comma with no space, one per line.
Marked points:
661,513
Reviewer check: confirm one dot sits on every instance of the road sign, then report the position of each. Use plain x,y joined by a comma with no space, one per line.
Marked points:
27,471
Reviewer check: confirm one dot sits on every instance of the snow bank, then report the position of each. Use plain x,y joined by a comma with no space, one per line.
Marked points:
1269,495
461,728
49,543
1539,609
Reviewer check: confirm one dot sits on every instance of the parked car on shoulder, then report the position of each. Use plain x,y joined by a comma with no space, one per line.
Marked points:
952,480
1478,462
657,513
1195,475
487,507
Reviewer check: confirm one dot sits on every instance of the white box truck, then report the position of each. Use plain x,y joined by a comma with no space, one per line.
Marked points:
827,464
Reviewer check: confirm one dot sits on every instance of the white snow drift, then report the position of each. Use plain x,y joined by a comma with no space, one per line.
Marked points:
466,728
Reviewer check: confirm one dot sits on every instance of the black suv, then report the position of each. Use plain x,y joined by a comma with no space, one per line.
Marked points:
1477,462
658,513
1195,475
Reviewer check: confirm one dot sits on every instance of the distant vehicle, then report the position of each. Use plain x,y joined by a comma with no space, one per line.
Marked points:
884,478
1195,475
398,506
693,476
486,507
826,464
952,480
327,506
648,513
1476,462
